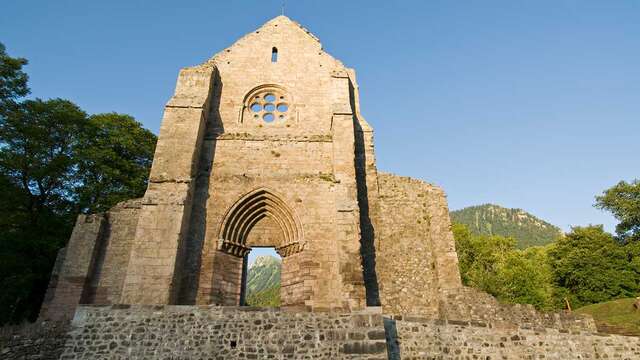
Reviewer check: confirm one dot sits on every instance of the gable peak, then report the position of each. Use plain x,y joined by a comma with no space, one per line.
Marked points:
283,20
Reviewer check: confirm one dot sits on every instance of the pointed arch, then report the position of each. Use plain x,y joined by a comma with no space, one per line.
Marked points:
248,211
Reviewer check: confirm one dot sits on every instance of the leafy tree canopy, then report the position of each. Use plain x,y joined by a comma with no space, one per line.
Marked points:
586,266
13,81
493,264
37,142
525,277
623,200
55,161
591,267
114,157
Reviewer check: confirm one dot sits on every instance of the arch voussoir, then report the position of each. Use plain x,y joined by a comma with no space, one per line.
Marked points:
248,211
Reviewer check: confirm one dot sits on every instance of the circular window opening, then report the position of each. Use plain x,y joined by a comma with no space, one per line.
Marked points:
268,105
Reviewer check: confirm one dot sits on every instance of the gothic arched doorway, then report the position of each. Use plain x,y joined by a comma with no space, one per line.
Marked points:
259,219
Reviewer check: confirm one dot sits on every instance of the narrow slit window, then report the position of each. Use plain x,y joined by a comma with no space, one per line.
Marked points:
274,55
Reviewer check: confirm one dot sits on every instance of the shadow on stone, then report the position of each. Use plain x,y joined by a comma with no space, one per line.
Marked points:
391,334
367,231
189,269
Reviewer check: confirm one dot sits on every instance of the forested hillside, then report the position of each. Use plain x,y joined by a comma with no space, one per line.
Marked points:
263,282
585,266
490,220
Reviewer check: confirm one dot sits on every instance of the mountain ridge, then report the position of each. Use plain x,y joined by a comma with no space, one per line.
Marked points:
492,219
263,281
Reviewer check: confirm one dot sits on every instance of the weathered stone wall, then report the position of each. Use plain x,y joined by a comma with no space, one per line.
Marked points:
225,283
41,341
92,267
67,288
470,304
112,259
159,248
415,250
48,303
292,285
440,339
305,161
210,332
417,266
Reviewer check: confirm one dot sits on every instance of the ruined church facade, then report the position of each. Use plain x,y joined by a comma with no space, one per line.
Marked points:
262,145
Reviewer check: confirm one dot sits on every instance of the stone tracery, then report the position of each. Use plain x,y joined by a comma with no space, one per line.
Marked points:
268,103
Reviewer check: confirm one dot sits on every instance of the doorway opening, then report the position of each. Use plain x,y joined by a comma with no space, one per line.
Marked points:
261,278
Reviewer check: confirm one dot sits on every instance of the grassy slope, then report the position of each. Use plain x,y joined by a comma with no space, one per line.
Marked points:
616,316
266,298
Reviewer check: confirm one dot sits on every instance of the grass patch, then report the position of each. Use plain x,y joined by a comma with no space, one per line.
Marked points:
266,298
616,316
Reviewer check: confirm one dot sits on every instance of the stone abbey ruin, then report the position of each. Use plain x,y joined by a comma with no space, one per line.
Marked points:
264,145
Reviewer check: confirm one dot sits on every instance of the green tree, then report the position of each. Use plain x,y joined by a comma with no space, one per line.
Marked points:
462,236
480,257
494,265
525,277
13,81
37,142
590,266
114,156
37,170
54,162
623,200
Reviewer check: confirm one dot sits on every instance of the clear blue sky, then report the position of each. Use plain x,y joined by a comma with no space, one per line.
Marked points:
529,104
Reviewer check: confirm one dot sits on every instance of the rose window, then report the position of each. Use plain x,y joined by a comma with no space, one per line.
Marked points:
269,105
